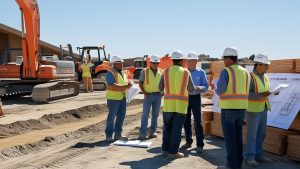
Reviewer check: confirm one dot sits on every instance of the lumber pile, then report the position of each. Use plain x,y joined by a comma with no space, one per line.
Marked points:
296,123
297,66
216,126
207,117
283,66
293,149
276,140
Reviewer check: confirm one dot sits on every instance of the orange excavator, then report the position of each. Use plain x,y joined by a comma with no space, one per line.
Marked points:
45,80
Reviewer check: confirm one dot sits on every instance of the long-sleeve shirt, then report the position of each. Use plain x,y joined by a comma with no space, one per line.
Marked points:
199,79
223,82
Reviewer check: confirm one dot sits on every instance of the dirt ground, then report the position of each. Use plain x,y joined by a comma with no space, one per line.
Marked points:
70,134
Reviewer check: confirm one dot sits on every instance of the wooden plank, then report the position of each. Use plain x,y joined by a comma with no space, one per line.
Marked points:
297,66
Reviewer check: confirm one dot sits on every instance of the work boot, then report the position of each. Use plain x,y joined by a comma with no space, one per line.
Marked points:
186,146
153,135
120,137
109,139
264,160
251,163
164,153
142,137
177,155
199,150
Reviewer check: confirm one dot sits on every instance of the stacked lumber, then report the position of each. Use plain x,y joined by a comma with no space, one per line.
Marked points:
293,149
297,65
296,123
207,117
282,66
216,127
216,68
276,140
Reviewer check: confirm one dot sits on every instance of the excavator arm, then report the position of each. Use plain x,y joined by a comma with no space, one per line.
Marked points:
30,38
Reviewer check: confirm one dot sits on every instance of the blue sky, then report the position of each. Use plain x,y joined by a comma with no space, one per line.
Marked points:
133,28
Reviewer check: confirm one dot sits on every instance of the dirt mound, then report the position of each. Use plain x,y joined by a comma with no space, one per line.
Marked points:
48,120
91,130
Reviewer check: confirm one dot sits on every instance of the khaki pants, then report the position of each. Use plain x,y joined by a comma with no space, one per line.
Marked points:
88,84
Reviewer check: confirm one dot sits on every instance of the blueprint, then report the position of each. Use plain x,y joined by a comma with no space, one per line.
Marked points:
285,106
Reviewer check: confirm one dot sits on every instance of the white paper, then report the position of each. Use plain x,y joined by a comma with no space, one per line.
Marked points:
133,143
286,105
215,98
132,92
278,88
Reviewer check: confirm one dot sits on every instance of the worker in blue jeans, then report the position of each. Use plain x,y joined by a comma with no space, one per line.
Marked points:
233,89
117,83
199,79
256,116
149,82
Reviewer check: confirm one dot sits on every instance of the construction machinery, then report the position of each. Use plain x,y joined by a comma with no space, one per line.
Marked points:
46,80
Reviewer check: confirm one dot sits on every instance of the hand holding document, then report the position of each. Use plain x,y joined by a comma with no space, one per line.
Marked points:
133,91
278,88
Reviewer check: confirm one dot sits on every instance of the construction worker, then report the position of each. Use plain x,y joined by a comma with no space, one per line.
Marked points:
1,110
199,79
176,82
149,82
117,83
233,89
256,117
86,74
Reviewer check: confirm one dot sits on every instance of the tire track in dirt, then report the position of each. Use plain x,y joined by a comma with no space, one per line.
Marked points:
7,155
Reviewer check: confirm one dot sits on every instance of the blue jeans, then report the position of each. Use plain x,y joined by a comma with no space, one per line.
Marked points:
154,101
195,106
173,123
256,133
117,111
232,125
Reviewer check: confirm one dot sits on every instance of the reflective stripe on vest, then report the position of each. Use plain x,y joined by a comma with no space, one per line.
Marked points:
116,95
237,92
258,105
176,95
151,83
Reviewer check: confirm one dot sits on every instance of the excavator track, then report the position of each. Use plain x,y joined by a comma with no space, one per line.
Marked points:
52,91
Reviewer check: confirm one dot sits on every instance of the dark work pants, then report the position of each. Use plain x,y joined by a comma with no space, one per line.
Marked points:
173,123
195,107
232,125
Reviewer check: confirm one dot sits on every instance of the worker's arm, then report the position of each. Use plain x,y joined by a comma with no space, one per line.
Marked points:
191,87
204,82
112,85
222,83
141,82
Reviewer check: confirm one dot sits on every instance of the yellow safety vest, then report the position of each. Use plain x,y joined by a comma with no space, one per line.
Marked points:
86,69
151,82
258,105
176,98
116,95
237,91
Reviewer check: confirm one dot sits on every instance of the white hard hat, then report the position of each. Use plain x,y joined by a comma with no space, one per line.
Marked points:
177,55
230,51
116,58
192,56
154,58
260,58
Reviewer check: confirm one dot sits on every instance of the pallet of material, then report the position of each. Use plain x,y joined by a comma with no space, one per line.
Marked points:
276,140
207,115
216,129
282,66
297,66
206,127
296,123
293,149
